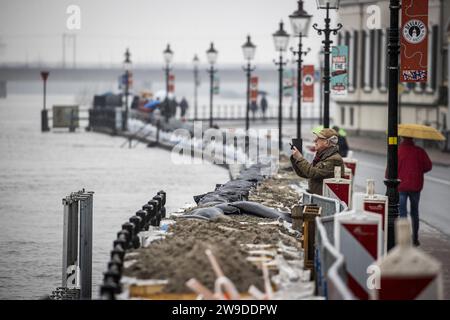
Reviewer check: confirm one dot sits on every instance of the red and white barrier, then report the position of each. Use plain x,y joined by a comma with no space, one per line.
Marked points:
406,272
338,188
351,163
348,174
358,238
377,203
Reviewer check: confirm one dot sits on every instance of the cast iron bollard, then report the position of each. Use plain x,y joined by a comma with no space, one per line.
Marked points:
138,223
149,214
143,215
154,212
125,235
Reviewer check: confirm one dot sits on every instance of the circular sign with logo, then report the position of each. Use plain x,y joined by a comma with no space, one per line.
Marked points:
308,80
414,31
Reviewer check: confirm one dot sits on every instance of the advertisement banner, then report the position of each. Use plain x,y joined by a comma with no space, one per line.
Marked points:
414,41
253,89
171,83
288,83
308,83
339,70
216,84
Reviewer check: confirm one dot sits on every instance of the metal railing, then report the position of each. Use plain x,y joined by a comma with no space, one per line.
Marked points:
329,266
109,119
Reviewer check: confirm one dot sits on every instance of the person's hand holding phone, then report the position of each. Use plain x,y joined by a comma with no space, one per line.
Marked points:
296,153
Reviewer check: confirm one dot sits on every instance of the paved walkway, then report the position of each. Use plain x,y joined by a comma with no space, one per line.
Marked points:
378,146
437,245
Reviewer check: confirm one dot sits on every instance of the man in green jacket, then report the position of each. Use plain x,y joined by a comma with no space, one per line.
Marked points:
327,157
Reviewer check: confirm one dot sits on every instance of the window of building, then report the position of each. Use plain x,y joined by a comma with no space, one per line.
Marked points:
352,116
354,58
343,116
381,60
348,43
368,63
432,58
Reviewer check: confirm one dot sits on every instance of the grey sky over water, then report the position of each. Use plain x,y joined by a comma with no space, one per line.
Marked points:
31,31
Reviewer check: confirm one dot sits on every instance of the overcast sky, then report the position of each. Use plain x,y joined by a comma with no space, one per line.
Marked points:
31,30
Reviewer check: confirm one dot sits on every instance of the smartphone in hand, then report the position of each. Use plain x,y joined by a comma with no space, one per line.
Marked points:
297,143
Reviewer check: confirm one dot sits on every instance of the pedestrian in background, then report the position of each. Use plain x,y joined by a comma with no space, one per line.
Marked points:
342,141
254,108
183,106
413,163
264,106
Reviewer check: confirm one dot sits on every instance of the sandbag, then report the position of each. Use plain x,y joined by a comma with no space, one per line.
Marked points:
260,210
210,214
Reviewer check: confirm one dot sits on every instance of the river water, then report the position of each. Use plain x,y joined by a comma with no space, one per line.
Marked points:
38,169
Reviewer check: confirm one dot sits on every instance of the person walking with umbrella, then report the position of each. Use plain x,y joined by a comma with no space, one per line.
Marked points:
413,163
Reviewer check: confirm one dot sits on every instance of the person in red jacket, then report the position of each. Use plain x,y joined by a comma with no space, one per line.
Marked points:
413,163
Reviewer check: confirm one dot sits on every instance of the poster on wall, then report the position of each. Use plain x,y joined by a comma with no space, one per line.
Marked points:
414,41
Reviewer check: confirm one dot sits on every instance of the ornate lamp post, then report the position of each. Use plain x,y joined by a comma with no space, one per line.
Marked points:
196,62
168,56
327,5
281,41
249,50
392,181
300,21
127,68
211,55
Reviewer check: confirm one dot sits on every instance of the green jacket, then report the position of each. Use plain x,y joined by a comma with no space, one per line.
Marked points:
323,169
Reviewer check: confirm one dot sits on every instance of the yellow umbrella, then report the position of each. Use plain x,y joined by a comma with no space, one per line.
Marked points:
419,131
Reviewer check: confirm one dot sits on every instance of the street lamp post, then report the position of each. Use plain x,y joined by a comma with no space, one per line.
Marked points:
321,62
168,55
44,112
248,49
127,68
211,54
196,62
300,21
281,41
392,181
327,5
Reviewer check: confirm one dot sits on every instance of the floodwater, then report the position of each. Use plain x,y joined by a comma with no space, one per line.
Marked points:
38,169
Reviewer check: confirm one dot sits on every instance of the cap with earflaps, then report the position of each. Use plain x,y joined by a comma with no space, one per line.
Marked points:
325,133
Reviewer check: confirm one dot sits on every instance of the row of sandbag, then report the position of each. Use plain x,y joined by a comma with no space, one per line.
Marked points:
231,198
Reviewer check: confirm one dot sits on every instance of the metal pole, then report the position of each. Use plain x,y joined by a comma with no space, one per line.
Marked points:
326,78
166,111
321,96
280,102
85,247
326,75
248,70
299,54
195,91
125,126
66,209
211,93
392,181
45,94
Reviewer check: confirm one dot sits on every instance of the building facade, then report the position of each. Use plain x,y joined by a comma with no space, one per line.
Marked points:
365,31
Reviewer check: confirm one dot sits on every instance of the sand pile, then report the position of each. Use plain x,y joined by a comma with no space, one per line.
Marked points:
181,256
